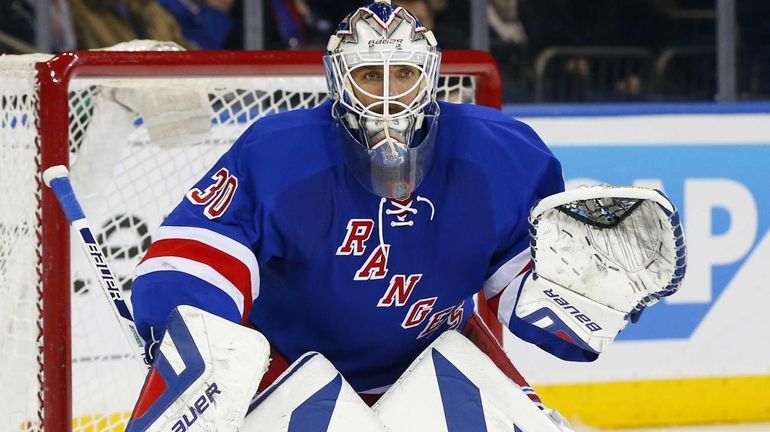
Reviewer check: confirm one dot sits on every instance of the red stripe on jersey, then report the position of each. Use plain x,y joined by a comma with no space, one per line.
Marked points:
488,312
526,268
230,267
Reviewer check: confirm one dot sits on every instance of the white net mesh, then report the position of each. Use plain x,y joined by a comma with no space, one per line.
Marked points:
19,247
129,170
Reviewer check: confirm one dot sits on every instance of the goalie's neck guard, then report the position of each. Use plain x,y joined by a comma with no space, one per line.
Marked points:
382,72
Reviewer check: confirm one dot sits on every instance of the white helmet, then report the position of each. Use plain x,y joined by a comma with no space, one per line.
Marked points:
387,131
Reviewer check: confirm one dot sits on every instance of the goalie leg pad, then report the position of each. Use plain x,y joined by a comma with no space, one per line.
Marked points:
206,372
310,396
478,333
453,386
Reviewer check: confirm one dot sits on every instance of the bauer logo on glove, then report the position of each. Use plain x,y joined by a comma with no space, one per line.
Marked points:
600,255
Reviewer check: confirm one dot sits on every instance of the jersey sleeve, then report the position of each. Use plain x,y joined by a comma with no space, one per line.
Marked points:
203,253
511,263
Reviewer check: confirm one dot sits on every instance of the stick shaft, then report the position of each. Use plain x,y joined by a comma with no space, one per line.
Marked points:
57,179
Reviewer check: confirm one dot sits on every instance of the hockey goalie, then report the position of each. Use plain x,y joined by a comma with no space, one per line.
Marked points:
321,275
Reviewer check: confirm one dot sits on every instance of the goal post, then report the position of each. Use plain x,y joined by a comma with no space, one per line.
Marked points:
61,357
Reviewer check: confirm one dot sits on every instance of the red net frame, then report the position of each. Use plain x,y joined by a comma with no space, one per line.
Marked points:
54,78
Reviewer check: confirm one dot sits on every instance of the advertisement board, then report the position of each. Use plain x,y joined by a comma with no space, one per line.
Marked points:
703,354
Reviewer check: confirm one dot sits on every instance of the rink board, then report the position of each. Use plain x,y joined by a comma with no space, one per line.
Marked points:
702,356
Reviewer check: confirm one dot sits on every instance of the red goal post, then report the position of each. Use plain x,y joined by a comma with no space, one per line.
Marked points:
58,113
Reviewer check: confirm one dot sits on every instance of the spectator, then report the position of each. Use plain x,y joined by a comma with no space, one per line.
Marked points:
509,44
103,23
754,32
18,24
287,24
503,17
421,9
333,10
62,26
305,24
205,23
452,18
447,18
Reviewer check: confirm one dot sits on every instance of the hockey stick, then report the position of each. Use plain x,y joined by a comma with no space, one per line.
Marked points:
57,178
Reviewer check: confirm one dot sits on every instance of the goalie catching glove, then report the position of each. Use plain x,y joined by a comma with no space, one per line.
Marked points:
600,255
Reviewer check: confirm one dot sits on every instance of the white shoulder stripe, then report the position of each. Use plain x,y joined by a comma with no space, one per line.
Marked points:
193,268
506,273
219,241
508,301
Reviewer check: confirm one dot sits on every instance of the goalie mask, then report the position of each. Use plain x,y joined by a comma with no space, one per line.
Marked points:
382,70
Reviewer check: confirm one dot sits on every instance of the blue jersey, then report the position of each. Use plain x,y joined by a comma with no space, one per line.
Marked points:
279,233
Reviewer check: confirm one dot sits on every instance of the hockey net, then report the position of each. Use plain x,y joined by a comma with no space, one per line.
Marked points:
136,129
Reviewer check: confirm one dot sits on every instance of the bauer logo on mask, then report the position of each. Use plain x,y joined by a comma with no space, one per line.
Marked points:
383,41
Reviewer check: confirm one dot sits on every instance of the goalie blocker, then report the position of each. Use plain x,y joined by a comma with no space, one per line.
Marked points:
206,372
600,256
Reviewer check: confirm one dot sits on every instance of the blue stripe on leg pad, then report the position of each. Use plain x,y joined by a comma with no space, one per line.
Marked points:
460,397
315,414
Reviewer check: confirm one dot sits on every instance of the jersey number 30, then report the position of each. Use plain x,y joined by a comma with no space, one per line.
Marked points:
217,196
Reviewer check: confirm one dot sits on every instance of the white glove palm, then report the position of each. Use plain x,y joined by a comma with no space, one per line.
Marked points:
600,254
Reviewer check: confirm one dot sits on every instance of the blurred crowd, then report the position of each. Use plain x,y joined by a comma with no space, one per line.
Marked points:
548,50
